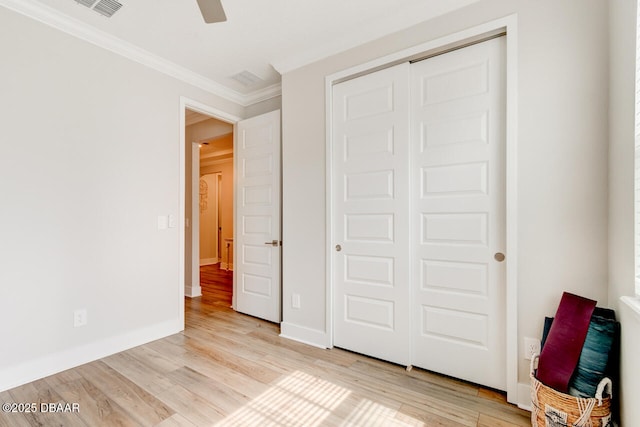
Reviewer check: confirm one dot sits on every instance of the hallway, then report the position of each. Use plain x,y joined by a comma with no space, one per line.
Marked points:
216,284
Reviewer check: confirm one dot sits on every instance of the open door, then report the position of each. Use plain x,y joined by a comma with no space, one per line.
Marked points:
258,210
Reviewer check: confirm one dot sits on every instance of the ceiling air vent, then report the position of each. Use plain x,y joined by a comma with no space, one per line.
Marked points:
246,78
103,7
107,7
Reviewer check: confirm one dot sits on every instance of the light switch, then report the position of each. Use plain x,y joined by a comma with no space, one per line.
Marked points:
162,222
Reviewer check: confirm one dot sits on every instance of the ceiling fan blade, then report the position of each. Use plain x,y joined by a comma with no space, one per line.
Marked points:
212,11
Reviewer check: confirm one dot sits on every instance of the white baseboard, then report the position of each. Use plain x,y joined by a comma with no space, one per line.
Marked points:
524,396
225,266
304,335
208,261
191,291
17,375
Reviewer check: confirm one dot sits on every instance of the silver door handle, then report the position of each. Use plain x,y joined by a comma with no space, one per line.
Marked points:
273,243
338,248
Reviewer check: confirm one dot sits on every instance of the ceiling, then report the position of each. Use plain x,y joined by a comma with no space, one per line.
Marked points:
215,150
192,117
263,37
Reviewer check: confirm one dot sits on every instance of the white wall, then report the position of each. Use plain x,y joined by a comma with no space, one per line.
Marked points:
621,143
80,196
263,107
622,24
562,143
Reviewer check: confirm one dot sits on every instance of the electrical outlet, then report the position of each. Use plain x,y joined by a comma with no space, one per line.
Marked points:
79,317
531,347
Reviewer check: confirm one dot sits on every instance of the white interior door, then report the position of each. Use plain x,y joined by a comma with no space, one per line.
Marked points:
370,214
458,131
257,248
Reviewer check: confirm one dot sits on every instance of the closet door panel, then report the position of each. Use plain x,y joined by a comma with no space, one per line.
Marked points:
370,199
458,213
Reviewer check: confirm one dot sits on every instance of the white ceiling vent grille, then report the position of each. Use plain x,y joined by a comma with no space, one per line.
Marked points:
103,7
107,7
246,78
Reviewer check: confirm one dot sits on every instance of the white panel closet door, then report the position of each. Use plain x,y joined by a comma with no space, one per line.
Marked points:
370,214
257,245
458,122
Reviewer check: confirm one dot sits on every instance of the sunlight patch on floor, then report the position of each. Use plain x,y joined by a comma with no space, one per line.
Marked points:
298,399
301,399
369,413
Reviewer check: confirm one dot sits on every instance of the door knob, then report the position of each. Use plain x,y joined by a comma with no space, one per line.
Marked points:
273,243
499,256
338,248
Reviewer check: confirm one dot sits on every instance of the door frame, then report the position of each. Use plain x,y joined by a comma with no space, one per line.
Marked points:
506,26
187,103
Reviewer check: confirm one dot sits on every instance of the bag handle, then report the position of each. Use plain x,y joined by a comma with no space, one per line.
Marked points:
604,385
534,364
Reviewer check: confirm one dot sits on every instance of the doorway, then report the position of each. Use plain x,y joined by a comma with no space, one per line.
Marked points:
252,197
209,196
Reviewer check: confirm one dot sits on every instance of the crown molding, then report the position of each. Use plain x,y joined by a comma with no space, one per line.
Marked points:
263,94
53,18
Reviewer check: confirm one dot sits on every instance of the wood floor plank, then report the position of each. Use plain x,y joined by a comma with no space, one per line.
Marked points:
96,409
326,373
219,395
139,372
212,351
337,356
454,392
156,361
492,408
231,343
488,421
436,404
427,382
415,416
229,369
11,419
191,406
146,408
39,393
176,420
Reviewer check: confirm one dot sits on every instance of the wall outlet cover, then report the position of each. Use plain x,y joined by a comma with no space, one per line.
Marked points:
531,347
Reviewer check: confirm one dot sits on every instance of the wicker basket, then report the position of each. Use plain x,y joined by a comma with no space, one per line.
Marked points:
551,408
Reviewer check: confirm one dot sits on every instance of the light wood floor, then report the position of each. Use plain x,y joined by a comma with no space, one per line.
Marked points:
228,369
